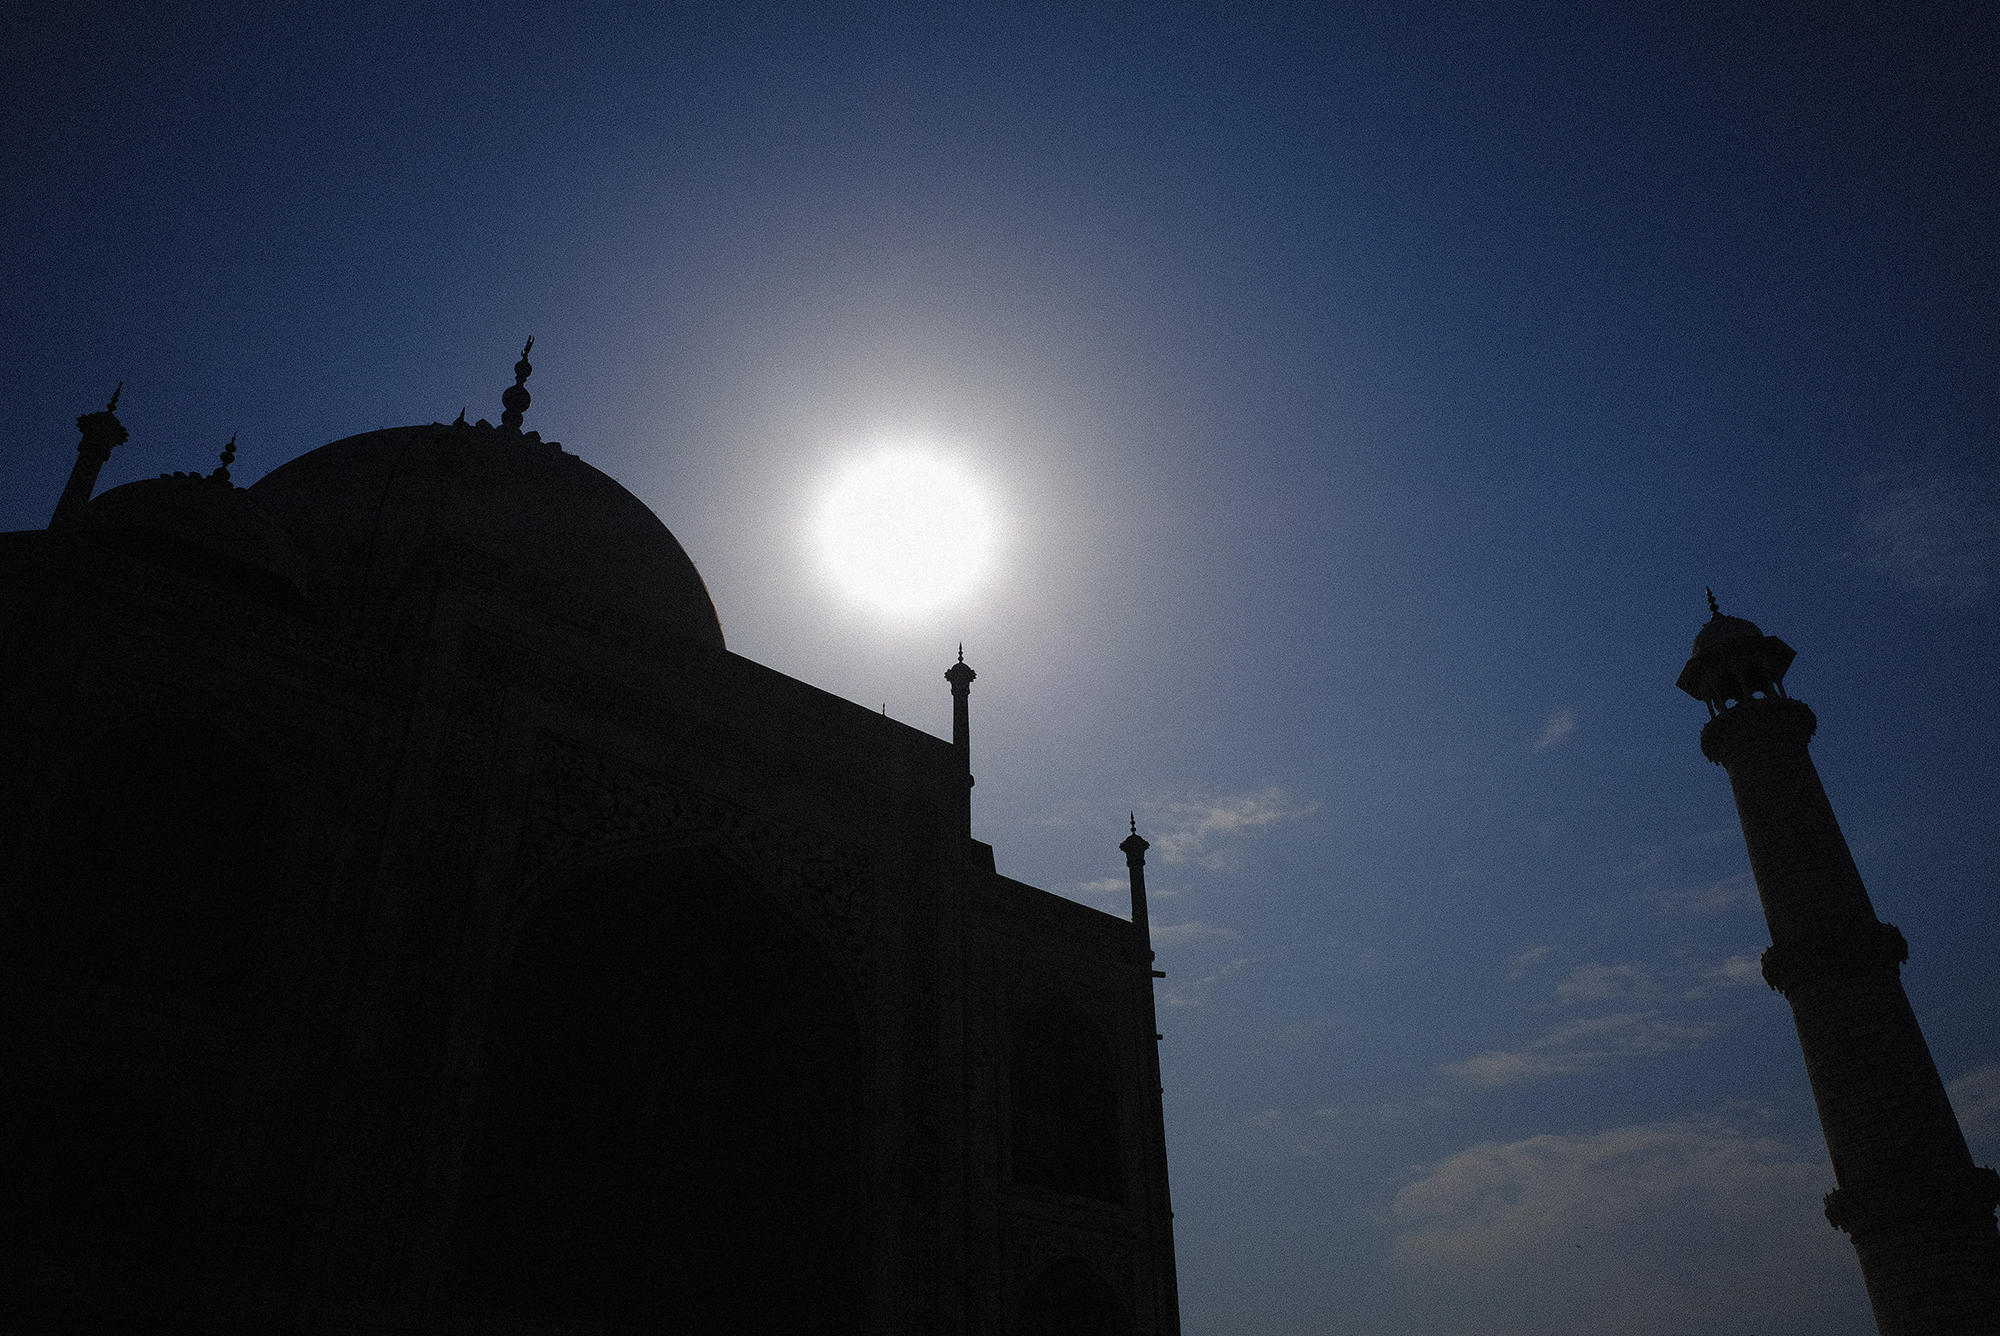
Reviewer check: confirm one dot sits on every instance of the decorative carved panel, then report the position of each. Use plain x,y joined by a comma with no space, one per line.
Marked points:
580,799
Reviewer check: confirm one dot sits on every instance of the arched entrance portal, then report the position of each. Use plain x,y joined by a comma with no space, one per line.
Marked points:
670,1124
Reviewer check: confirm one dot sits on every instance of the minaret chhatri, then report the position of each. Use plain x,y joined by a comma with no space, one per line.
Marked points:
102,433
960,675
1919,1213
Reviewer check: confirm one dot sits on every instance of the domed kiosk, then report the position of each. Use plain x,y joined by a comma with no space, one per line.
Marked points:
204,526
414,917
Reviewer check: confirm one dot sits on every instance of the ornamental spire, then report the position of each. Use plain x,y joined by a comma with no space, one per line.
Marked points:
1714,609
221,475
515,398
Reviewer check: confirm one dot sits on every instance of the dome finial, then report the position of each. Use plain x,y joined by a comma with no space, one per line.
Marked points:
1714,609
515,398
112,407
221,475
1135,823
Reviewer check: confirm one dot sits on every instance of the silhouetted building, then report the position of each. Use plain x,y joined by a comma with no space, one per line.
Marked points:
1918,1211
415,919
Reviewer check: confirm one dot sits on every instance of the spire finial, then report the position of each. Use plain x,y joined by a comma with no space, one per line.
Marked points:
961,651
1135,823
221,475
515,398
1714,609
112,407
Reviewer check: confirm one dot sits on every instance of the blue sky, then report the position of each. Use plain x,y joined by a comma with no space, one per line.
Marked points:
1370,392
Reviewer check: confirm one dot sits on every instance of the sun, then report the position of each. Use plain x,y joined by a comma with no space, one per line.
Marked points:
905,531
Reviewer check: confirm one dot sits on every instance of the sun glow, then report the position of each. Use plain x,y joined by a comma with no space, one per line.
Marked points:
905,531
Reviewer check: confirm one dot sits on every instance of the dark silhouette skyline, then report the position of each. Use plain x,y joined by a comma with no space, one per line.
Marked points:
1363,396
470,938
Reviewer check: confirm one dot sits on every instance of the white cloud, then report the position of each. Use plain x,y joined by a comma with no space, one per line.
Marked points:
1975,1097
1529,958
1192,830
1737,971
1195,992
1580,1046
1712,897
1651,1230
1559,725
1192,932
1105,886
1601,983
1938,535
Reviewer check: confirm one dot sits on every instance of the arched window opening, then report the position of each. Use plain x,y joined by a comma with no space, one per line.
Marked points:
670,1122
156,867
1068,1298
1064,1105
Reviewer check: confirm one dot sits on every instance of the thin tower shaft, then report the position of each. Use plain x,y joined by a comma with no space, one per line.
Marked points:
1919,1213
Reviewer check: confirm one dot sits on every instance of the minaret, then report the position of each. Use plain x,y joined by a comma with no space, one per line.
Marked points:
102,433
1919,1213
515,398
960,675
1134,849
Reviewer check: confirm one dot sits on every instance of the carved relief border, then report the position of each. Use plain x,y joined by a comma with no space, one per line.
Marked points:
580,799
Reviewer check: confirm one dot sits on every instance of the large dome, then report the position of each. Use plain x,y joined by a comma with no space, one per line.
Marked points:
361,511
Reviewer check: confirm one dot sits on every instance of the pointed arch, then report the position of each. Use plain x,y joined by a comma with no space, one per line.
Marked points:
1063,1104
669,1126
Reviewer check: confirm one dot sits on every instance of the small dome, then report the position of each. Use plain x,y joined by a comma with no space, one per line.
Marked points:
1720,630
203,525
362,511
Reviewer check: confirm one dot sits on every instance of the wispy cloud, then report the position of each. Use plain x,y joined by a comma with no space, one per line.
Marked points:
1702,873
1605,983
1526,961
1580,1046
1646,1230
1306,1136
1738,970
1713,897
1559,725
1975,1097
1203,829
1105,886
1195,993
1192,932
1939,535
